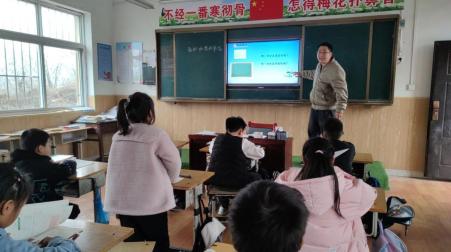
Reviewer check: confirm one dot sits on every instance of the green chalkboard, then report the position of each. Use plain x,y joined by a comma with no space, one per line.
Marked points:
200,65
192,65
166,64
382,60
350,42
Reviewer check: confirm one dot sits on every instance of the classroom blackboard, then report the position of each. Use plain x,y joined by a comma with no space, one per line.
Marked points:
166,64
200,65
192,65
350,42
382,60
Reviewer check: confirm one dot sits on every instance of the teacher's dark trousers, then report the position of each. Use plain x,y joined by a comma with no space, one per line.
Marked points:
317,120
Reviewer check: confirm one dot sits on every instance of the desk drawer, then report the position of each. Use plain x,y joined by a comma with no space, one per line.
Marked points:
83,186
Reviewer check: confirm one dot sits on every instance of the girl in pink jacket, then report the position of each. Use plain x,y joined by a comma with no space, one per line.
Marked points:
142,164
335,199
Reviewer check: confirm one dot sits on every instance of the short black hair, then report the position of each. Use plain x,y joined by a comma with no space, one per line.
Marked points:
267,217
328,45
14,185
235,123
333,129
32,138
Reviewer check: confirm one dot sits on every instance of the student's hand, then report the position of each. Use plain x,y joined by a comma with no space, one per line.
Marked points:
44,242
339,115
73,237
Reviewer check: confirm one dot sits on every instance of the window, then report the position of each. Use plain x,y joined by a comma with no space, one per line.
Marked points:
41,56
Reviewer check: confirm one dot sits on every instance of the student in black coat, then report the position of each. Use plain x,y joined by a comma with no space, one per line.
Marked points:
333,130
34,159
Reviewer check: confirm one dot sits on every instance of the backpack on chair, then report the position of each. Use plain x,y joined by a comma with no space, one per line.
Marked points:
398,212
208,231
387,241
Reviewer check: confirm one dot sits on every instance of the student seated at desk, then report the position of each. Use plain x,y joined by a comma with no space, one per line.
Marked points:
268,217
34,159
143,162
15,189
332,131
335,199
232,158
232,155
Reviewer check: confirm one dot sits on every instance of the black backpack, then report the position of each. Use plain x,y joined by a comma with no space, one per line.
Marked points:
199,244
398,212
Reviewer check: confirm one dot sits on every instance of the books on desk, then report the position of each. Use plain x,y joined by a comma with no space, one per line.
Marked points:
75,126
206,133
13,134
109,115
60,158
89,119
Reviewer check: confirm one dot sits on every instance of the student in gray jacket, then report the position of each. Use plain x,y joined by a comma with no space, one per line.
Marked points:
329,95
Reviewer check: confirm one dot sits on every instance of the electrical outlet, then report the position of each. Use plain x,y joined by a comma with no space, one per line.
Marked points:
402,23
411,87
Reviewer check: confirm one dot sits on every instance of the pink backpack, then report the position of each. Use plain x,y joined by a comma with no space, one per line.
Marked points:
387,241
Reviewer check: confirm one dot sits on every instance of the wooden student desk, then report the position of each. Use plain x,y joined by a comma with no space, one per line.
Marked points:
359,162
196,179
180,143
90,174
362,158
9,143
89,169
100,129
143,246
223,247
93,237
58,135
278,153
379,206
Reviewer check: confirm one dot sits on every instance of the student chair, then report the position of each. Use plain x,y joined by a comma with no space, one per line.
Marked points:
216,192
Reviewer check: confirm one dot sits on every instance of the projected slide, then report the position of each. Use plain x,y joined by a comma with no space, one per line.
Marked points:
268,62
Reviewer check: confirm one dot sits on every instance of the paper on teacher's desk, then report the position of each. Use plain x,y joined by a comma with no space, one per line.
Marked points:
340,152
206,133
39,217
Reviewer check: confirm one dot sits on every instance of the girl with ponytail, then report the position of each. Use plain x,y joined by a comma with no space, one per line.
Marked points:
336,200
143,163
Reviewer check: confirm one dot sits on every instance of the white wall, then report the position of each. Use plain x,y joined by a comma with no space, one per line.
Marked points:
134,24
99,29
431,21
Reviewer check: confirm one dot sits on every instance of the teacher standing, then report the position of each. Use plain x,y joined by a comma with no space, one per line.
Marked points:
329,95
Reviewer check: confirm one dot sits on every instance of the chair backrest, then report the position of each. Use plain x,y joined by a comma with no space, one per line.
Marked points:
261,127
40,190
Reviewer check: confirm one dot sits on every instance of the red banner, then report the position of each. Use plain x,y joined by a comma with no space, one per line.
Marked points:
265,9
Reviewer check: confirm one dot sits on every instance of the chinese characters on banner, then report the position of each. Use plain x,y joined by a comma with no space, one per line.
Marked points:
221,11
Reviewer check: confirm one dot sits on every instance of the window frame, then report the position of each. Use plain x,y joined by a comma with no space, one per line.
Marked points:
42,42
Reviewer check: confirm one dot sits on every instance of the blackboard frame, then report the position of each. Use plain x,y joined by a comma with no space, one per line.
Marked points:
348,20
